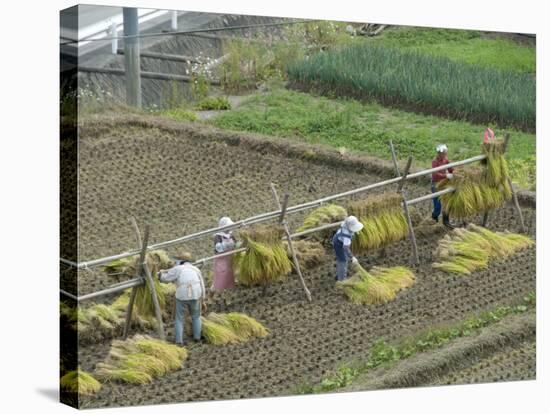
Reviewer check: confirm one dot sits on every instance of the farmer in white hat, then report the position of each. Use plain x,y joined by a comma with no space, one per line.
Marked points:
341,241
439,160
190,293
224,241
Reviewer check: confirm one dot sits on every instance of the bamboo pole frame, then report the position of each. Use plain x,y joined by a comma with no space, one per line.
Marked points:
270,215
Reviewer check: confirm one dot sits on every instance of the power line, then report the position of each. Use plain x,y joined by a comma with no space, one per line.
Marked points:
184,32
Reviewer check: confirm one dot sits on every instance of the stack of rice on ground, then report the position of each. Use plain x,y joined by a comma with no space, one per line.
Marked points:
140,359
466,250
231,328
481,189
383,219
79,382
265,259
379,285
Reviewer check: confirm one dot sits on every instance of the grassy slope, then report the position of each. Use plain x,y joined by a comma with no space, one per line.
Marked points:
462,45
368,128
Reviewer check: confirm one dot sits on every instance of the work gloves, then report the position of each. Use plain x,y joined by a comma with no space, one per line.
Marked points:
450,176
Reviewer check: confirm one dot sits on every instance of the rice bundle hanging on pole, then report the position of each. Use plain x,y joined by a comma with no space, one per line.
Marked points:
265,259
379,285
467,250
327,214
479,190
231,328
309,252
156,260
383,221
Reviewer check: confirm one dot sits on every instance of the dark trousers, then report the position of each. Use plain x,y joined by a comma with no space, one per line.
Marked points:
436,211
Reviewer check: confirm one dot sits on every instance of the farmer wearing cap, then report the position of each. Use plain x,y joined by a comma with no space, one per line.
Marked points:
190,293
439,160
224,241
341,241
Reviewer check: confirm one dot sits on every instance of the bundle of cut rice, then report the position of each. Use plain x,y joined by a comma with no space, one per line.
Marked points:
265,259
466,250
379,285
383,219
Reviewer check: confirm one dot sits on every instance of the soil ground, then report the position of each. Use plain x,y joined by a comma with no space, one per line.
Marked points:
181,183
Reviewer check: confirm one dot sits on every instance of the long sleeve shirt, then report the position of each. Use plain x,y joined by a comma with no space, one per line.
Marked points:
345,235
223,242
188,279
440,175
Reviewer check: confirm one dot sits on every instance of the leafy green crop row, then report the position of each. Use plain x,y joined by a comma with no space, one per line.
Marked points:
384,354
426,83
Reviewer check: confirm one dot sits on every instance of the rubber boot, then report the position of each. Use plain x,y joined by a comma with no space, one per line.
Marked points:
446,222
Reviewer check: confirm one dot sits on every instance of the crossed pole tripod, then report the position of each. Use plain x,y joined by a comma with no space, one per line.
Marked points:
143,271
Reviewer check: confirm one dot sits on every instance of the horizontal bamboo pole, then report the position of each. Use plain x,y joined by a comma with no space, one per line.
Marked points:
138,281
430,196
273,214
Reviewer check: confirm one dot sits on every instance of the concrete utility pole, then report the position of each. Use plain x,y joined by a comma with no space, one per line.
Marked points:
131,57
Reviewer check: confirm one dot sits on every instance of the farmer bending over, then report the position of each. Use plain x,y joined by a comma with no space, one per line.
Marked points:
439,160
190,293
342,245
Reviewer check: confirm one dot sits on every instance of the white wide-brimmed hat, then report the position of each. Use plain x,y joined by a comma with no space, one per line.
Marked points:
225,221
441,148
353,224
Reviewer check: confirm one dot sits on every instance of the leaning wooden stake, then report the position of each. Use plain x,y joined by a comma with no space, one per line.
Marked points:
130,309
283,221
400,190
151,284
514,194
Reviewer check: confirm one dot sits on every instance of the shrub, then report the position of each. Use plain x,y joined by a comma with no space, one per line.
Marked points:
213,103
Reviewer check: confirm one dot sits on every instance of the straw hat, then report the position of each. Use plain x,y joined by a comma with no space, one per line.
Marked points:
183,255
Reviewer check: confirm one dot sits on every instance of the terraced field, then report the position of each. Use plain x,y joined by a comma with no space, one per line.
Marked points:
180,178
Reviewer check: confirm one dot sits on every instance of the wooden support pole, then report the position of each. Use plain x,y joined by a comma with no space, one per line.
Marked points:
514,194
152,290
283,221
412,236
130,308
518,207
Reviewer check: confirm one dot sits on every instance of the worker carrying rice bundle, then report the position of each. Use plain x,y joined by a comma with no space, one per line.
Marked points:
439,160
190,293
341,241
224,241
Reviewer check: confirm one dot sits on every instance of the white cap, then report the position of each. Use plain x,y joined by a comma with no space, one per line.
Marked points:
225,221
353,224
441,148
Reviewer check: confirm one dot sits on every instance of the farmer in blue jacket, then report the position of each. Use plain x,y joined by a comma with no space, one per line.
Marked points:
342,245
